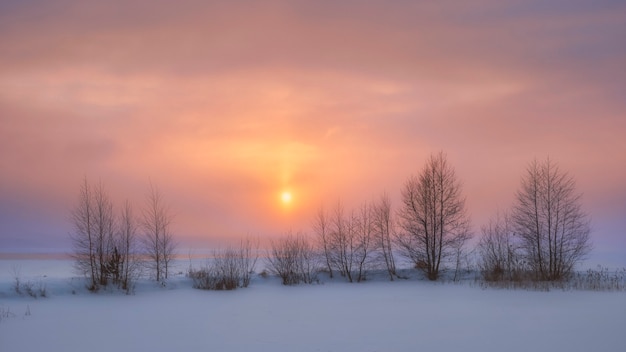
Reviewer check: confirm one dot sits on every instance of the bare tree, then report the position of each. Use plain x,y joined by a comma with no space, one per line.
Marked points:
107,255
384,231
83,235
321,227
158,239
98,249
343,243
364,241
498,251
432,217
553,229
127,244
348,243
248,256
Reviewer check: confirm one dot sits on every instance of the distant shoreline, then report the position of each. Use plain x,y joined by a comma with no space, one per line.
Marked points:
205,254
35,256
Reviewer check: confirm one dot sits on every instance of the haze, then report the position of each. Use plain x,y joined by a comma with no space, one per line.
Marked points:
228,107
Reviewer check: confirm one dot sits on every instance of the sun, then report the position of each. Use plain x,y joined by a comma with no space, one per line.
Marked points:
286,197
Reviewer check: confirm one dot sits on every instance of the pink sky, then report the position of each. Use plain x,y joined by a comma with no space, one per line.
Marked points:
226,105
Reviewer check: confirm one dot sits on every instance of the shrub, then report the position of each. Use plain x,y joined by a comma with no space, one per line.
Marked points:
227,270
599,279
293,260
6,313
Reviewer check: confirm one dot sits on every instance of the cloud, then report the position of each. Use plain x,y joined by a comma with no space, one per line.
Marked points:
223,104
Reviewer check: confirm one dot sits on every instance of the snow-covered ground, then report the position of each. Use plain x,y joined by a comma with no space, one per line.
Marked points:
405,315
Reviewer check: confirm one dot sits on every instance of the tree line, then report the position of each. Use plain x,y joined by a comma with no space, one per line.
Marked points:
542,237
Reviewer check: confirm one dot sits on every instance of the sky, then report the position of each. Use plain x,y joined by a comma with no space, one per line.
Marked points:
224,106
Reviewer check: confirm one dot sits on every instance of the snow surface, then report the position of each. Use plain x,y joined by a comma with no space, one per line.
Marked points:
404,315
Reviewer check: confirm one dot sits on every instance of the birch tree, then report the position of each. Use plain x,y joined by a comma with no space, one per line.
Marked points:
384,232
127,244
433,219
498,251
96,249
83,235
158,240
549,220
321,228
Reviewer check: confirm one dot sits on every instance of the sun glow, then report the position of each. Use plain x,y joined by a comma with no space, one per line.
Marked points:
286,197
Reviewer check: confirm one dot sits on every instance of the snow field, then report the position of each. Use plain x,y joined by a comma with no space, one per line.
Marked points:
405,315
